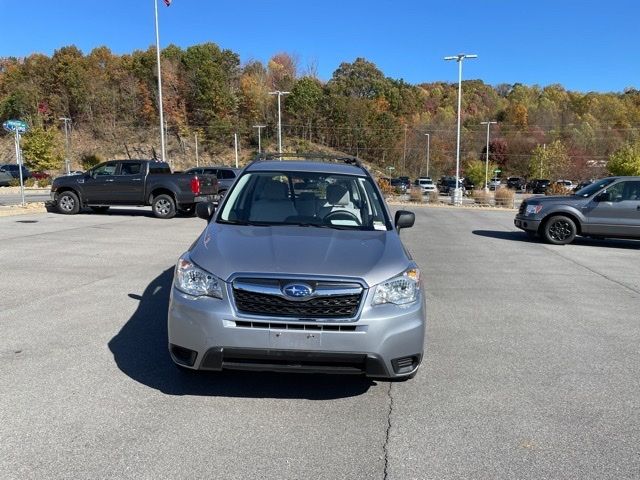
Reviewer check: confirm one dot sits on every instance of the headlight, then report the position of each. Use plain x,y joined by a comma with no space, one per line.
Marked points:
533,209
400,290
195,281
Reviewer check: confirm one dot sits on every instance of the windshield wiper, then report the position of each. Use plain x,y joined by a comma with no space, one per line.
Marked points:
245,223
321,225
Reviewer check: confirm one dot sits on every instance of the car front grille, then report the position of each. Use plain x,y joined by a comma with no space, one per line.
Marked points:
264,298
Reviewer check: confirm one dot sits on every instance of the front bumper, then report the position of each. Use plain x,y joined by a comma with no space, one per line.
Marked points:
385,341
525,223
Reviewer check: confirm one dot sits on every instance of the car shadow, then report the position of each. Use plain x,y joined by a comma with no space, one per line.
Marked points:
519,236
140,351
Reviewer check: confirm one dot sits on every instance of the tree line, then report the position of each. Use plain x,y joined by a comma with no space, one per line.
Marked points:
541,132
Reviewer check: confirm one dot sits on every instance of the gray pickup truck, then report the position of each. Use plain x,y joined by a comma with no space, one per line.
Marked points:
133,183
606,208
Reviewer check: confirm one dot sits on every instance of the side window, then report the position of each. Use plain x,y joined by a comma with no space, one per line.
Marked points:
105,169
130,169
226,174
622,191
159,169
631,191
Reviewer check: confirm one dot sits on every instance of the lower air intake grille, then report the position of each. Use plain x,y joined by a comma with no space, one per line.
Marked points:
296,326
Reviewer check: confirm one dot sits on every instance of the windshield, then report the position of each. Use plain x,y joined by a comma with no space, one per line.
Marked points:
309,199
594,187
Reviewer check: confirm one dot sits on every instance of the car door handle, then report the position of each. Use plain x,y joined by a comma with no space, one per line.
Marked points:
136,179
109,180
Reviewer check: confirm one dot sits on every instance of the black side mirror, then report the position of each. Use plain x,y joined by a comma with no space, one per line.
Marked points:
603,197
205,210
404,219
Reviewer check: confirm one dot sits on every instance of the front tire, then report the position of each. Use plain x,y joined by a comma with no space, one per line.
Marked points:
164,206
560,230
68,203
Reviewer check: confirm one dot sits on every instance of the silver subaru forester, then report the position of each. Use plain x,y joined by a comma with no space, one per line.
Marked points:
300,269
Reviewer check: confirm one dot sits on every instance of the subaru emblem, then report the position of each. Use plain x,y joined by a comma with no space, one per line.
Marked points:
297,290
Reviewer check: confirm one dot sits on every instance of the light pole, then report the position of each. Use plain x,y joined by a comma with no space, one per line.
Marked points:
459,58
279,94
486,162
428,147
162,126
259,127
66,121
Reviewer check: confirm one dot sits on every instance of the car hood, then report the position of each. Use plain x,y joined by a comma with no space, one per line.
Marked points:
566,200
373,256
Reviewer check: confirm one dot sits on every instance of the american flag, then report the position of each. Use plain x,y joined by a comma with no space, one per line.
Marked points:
167,2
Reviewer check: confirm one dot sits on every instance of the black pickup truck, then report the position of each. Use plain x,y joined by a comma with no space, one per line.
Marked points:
133,183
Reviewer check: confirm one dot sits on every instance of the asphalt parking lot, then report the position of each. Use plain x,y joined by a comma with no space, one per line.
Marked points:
532,367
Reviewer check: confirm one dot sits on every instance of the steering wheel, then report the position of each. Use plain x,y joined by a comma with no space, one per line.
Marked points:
341,215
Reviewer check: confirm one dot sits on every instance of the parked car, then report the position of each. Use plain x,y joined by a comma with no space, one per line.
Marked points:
582,184
13,170
495,183
568,185
426,185
287,278
225,175
6,179
40,175
607,208
399,185
539,185
132,182
516,183
468,185
447,184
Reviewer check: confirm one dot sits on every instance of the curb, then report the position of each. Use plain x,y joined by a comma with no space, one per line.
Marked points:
13,210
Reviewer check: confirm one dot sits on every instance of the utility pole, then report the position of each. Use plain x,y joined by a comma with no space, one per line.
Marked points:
488,123
259,127
279,94
235,143
428,148
544,149
404,153
457,199
164,159
67,163
197,161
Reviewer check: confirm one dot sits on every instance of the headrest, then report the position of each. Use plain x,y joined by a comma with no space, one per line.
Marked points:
274,190
337,195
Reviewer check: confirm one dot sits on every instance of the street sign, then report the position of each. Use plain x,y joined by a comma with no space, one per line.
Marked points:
497,170
15,126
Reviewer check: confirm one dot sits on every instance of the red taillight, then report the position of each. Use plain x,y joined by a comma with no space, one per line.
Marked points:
195,185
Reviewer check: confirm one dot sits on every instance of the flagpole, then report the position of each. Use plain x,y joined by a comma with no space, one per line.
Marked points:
164,158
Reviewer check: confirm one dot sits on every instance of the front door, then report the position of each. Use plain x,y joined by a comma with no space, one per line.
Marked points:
98,187
617,212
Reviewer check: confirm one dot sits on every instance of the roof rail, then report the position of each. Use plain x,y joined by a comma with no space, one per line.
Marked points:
310,156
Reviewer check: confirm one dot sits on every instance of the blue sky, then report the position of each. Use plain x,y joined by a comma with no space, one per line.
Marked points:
584,45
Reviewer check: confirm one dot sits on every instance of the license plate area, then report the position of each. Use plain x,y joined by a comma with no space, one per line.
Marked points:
287,339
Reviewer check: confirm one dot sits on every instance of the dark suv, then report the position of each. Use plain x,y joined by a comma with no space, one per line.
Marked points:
607,208
13,170
539,185
516,183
